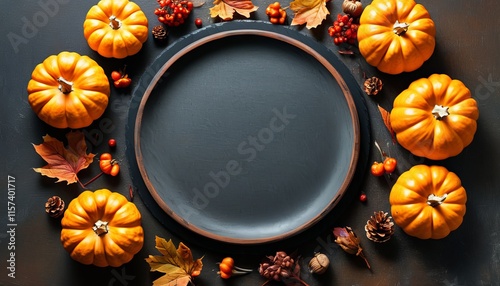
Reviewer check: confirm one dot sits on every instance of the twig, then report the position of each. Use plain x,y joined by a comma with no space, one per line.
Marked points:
362,255
81,185
90,181
131,193
382,153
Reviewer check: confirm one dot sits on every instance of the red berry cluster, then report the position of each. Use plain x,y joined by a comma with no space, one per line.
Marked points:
120,79
173,12
343,30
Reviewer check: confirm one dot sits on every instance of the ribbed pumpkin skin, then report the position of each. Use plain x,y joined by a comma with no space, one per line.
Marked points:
419,131
409,202
118,42
86,101
125,236
383,48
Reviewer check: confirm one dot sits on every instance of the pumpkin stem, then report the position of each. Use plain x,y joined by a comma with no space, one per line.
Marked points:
114,23
100,227
440,112
434,201
400,28
64,85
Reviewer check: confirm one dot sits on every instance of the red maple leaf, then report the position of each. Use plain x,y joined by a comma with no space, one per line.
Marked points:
64,163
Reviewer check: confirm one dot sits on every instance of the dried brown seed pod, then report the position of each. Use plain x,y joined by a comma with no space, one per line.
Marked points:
281,267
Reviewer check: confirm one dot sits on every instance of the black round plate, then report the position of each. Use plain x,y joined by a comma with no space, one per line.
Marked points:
247,133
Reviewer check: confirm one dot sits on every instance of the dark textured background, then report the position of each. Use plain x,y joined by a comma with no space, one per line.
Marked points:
467,49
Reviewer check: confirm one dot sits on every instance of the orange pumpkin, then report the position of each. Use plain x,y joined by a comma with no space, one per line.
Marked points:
428,202
102,228
116,28
68,90
435,117
108,165
396,35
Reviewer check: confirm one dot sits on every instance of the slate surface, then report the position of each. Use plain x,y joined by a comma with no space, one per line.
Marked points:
467,49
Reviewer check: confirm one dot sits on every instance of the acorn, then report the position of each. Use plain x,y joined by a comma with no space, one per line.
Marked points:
352,7
319,263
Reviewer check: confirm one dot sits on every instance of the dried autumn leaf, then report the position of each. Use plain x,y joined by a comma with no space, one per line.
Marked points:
225,9
386,117
198,3
309,12
64,164
177,263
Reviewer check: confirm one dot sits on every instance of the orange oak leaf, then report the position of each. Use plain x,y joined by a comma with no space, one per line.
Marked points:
64,163
177,263
386,117
225,9
309,12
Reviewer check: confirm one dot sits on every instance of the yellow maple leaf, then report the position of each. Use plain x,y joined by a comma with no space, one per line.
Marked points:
225,9
177,263
309,12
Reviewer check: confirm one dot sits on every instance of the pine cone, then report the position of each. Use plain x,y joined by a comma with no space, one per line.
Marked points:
379,227
277,267
159,32
372,85
54,206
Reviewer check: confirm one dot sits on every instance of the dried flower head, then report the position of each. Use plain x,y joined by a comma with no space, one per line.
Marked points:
349,242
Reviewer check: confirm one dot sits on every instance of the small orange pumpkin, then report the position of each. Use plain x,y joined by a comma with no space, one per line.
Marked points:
116,28
428,202
102,228
396,35
108,165
68,90
435,117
